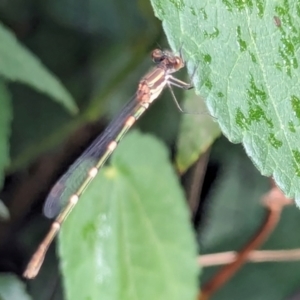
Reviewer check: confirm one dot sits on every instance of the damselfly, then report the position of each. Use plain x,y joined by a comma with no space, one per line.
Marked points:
72,184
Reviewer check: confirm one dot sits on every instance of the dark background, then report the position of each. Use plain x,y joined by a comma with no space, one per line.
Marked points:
99,49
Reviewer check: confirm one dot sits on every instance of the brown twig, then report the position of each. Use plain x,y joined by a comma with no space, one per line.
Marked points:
274,202
257,256
195,181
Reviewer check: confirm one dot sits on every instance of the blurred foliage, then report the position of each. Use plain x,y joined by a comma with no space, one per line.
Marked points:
12,288
4,212
98,50
233,215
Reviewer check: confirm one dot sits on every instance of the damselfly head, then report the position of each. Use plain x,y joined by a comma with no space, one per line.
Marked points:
169,59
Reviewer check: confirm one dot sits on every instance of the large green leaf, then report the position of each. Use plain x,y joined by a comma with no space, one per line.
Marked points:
246,53
130,236
18,64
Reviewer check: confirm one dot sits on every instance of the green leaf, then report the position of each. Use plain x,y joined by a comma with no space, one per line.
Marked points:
12,288
4,212
130,236
248,73
18,64
197,132
5,125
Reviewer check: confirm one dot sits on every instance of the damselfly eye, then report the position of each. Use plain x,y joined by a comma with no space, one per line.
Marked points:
157,55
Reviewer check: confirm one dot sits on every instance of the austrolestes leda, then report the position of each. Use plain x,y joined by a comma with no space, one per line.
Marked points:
73,183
